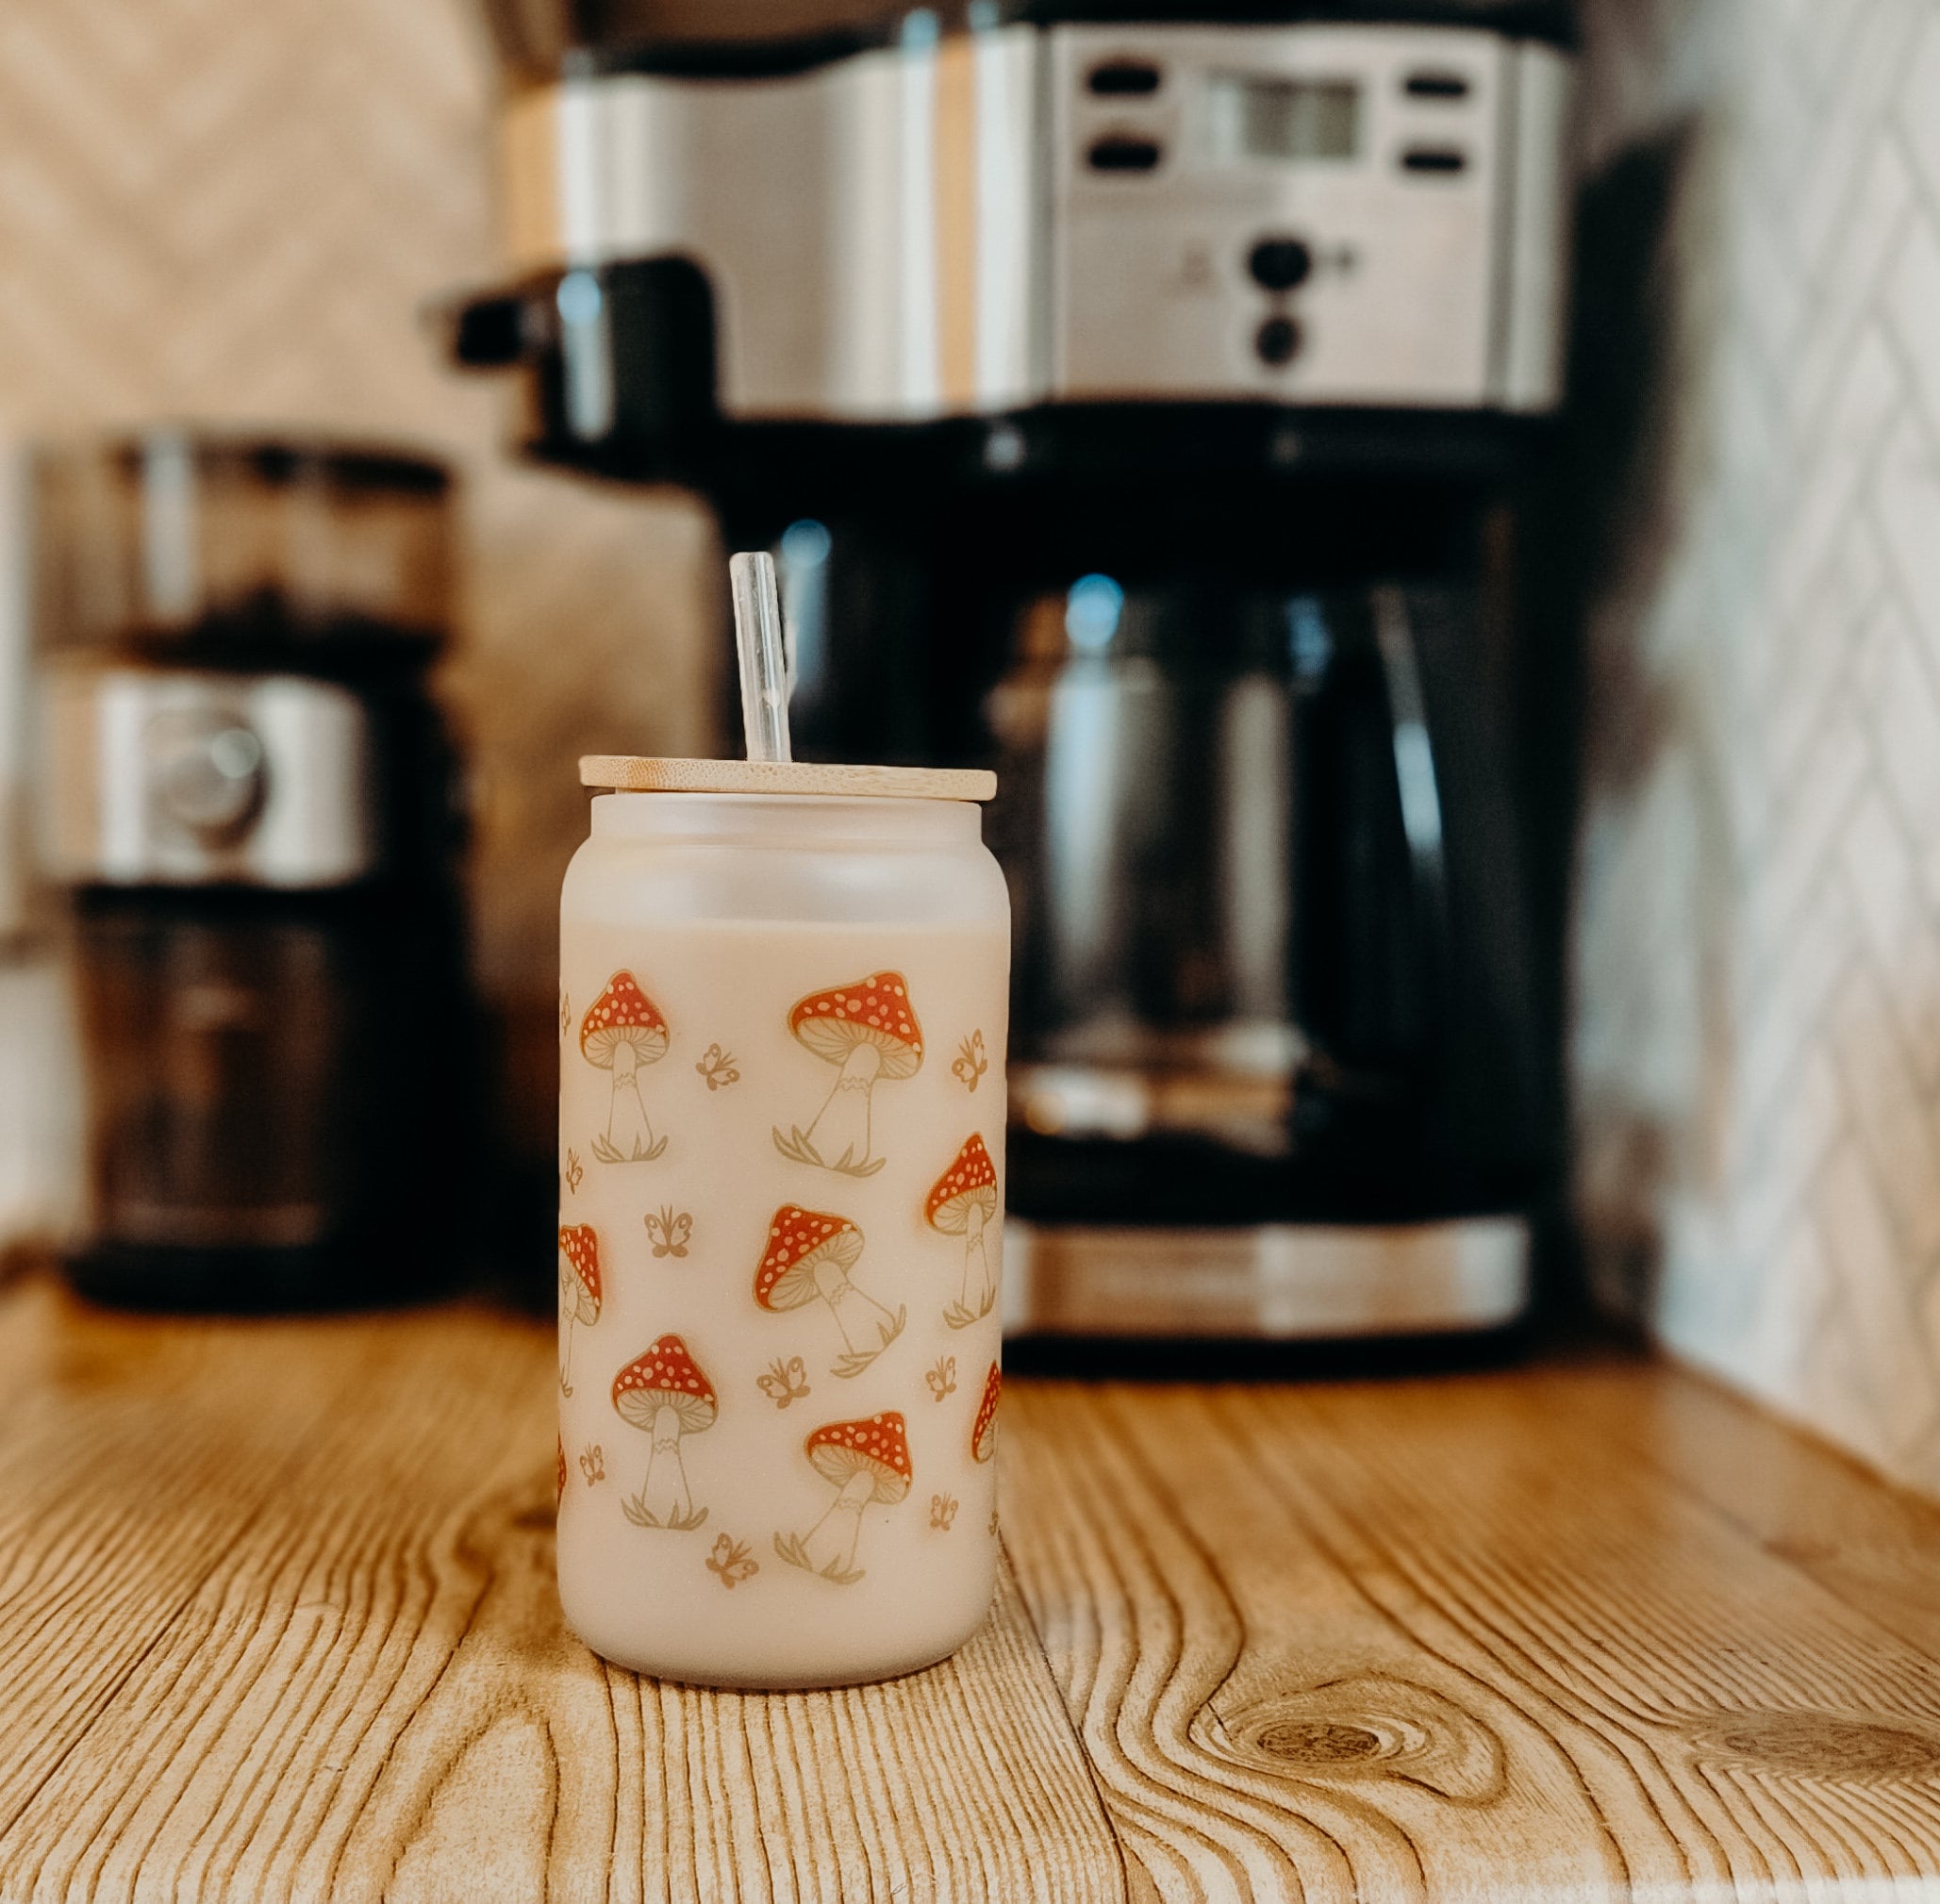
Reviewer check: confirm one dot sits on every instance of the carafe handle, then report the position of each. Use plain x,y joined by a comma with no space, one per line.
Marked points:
1419,787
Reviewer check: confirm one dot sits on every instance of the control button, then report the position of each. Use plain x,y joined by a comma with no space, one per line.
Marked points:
1436,85
206,773
1442,158
1279,263
1124,79
1120,152
1278,342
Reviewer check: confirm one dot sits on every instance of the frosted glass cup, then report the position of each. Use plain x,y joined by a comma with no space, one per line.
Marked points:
781,1018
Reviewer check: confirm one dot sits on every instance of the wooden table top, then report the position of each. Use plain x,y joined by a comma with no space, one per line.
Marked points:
277,1621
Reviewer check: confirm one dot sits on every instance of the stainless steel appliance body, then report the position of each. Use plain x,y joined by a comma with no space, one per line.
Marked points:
1247,322
192,777
245,786
964,224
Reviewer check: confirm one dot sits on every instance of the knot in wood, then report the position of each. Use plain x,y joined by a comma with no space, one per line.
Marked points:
1372,1725
1319,1742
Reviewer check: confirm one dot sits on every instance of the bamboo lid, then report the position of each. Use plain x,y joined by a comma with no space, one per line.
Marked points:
636,774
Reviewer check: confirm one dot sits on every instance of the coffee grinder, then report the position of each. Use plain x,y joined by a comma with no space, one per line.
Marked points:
248,791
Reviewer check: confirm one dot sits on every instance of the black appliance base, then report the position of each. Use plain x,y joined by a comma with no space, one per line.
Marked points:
240,1281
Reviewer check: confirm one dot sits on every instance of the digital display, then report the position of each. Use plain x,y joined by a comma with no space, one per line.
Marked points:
1253,116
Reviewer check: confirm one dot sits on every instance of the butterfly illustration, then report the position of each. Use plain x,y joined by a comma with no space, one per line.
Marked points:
942,1378
717,1068
971,1063
592,1464
731,1562
668,1232
942,1512
565,1015
785,1381
574,1172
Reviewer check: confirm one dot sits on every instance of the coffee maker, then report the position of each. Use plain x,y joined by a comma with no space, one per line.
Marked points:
1136,398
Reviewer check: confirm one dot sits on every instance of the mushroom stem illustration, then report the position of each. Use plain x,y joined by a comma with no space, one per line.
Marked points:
809,1256
579,1288
665,1493
622,1031
664,1393
868,1031
840,1130
979,1287
866,1325
629,1130
962,1202
831,1543
867,1461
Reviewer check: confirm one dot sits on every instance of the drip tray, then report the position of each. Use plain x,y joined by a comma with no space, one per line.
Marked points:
1279,1281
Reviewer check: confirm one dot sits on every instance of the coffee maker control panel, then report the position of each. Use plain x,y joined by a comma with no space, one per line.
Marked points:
973,223
1312,214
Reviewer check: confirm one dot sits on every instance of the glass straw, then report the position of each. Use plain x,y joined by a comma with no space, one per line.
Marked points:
764,667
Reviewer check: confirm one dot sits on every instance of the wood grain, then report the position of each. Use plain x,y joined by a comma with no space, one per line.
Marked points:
1874,1545
635,773
1448,1640
278,1622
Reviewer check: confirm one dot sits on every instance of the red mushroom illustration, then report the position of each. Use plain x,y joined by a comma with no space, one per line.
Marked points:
579,1288
868,1030
622,1031
809,1254
984,1428
867,1461
961,1203
664,1393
